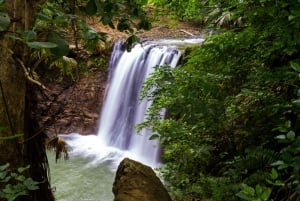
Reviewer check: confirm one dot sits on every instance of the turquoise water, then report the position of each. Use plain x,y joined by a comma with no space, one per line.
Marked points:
77,179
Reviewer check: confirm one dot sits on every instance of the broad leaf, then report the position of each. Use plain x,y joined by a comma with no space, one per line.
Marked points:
274,174
3,167
62,46
43,17
295,65
39,45
29,35
4,21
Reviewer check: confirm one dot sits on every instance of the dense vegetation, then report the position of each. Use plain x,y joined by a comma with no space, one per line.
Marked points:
35,36
232,127
231,130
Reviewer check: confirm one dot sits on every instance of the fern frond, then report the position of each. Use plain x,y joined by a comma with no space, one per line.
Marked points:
255,165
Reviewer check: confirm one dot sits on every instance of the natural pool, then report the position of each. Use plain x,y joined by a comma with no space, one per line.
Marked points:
77,179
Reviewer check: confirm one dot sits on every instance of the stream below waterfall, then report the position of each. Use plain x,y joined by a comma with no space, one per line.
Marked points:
77,180
89,173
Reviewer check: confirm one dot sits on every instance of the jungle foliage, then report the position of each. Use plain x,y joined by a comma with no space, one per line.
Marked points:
36,36
231,130
59,24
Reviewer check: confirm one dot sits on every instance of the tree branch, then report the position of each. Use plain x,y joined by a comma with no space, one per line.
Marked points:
29,78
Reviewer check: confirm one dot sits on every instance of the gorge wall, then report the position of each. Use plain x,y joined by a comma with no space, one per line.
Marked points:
71,107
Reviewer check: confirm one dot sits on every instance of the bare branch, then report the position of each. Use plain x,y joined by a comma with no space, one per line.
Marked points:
29,78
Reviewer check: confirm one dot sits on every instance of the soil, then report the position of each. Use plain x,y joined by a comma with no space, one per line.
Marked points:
162,28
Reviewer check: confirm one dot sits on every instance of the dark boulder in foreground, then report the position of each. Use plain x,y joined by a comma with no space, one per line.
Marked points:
137,182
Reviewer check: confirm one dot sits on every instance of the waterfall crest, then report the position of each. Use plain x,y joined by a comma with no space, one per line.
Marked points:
122,108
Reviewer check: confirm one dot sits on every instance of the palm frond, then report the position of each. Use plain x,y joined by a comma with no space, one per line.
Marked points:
59,146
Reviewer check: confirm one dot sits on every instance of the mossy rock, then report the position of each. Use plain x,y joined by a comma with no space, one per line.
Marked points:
137,182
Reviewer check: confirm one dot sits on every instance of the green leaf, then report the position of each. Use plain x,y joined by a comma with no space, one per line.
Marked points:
130,41
31,184
244,195
22,169
278,183
124,25
91,7
3,175
62,46
43,17
153,137
274,174
13,174
258,189
29,35
295,65
106,20
20,178
39,45
265,195
290,135
280,137
248,190
144,24
4,167
4,21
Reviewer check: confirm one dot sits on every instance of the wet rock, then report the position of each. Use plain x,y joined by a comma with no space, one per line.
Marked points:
137,182
71,107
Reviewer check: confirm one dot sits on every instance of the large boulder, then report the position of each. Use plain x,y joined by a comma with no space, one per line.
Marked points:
137,182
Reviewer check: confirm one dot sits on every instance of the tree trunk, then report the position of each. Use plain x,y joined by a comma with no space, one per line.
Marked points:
20,144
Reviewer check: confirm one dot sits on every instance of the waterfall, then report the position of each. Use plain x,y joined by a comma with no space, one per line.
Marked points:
88,174
122,108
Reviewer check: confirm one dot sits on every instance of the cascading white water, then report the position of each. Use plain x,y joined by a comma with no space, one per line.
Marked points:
122,108
94,156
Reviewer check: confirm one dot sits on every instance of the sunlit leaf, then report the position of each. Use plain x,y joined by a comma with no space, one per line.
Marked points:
39,45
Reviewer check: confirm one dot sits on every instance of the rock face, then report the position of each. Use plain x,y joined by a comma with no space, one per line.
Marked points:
137,182
71,107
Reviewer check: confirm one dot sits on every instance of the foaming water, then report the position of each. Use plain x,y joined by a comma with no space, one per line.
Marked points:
92,148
